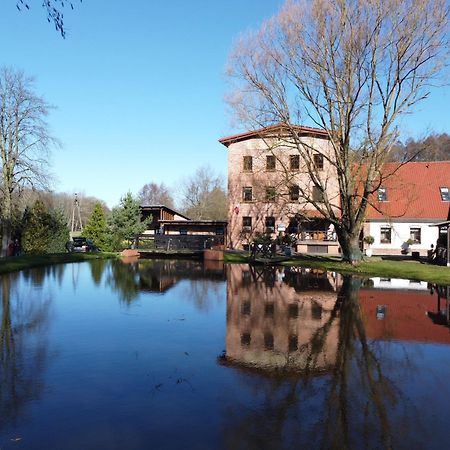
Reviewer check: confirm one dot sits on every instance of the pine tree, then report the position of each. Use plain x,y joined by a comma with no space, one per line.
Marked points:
97,228
126,221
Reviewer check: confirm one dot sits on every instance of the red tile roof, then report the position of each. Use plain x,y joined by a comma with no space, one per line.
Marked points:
407,316
307,131
413,192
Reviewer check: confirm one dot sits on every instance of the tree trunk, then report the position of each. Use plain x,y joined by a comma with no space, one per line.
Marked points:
6,222
6,237
349,242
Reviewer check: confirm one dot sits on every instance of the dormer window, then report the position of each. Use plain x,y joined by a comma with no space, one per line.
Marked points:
382,194
445,194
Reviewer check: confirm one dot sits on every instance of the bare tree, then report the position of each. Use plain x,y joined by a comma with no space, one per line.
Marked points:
434,147
155,194
352,68
203,195
24,143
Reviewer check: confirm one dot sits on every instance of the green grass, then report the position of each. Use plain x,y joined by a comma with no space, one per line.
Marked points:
15,263
375,266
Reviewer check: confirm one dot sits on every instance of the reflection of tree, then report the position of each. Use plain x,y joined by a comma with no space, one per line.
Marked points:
38,275
124,279
160,275
23,351
97,268
201,292
375,393
354,406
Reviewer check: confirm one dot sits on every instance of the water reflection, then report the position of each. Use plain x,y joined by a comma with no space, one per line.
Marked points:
323,349
23,344
159,276
277,316
312,359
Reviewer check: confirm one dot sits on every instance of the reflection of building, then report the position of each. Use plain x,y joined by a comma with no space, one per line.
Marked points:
160,275
273,314
405,315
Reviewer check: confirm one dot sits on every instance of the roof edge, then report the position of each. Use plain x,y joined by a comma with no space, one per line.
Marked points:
227,140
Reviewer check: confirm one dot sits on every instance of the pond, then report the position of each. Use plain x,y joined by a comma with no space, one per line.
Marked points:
180,354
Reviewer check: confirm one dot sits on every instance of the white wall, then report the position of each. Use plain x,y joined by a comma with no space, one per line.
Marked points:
400,233
398,283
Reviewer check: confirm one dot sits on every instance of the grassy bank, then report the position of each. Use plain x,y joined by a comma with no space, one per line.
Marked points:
16,263
375,266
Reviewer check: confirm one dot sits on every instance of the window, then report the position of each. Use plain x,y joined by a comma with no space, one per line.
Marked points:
445,194
246,308
248,163
294,193
183,231
247,194
270,162
269,310
246,339
295,162
270,223
293,311
381,312
317,194
246,222
293,342
316,311
268,341
415,234
385,235
382,194
318,161
270,194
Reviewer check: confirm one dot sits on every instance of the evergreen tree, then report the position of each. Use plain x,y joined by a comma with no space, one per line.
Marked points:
126,221
97,228
59,232
44,231
36,229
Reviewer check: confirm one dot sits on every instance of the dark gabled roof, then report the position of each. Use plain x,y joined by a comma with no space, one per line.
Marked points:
172,211
306,131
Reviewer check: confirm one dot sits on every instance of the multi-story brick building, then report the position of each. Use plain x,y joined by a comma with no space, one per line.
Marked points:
267,179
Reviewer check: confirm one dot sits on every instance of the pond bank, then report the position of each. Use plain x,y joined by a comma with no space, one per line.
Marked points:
375,266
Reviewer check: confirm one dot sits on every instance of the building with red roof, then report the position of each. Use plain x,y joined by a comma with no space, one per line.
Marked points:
412,198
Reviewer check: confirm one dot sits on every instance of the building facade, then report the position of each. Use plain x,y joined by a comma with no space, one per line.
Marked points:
407,205
266,176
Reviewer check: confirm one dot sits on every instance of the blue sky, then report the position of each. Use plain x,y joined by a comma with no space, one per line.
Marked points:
139,87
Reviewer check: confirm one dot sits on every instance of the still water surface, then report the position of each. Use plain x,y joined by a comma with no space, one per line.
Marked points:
180,355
